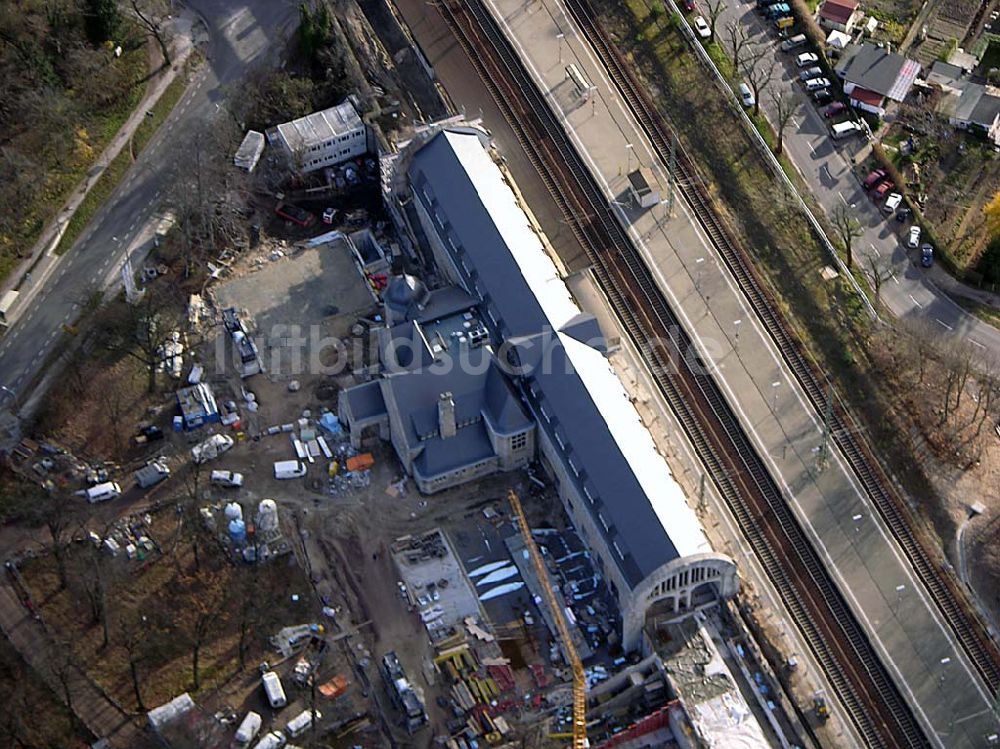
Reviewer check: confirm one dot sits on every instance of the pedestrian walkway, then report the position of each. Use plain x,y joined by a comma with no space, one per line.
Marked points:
99,714
903,624
30,276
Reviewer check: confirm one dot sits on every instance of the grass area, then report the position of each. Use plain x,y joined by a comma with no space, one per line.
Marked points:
99,193
984,312
112,176
160,111
62,167
828,317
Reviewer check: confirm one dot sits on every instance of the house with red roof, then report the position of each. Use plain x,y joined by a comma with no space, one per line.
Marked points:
871,75
840,15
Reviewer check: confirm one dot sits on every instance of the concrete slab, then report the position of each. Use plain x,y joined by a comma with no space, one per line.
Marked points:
860,553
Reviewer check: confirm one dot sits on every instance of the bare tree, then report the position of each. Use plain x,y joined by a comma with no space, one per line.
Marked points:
715,8
143,330
848,229
785,106
147,15
737,41
133,636
207,610
880,273
759,71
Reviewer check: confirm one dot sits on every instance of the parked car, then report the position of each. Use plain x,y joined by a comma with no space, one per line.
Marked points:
903,214
295,214
834,109
892,203
845,129
793,43
746,95
815,84
805,75
807,58
927,256
702,27
823,96
873,178
881,191
211,448
689,5
778,10
227,479
913,238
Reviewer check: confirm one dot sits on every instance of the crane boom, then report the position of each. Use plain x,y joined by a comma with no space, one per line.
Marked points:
579,681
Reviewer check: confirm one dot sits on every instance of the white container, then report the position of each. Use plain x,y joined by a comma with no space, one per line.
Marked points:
267,515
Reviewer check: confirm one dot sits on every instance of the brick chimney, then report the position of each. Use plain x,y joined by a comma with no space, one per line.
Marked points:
446,416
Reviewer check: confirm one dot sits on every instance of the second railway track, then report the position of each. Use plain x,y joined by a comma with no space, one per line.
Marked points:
873,702
968,628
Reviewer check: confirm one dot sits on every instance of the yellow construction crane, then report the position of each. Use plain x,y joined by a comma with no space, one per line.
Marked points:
579,681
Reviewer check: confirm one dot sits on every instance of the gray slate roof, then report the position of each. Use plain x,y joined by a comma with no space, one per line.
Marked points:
878,70
440,182
365,401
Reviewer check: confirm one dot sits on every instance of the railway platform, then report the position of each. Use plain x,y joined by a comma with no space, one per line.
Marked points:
904,625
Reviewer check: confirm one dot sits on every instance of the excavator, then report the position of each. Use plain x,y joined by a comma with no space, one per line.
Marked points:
579,734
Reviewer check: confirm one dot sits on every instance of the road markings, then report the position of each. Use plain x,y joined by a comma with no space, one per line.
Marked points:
976,343
894,279
841,196
942,323
916,302
875,250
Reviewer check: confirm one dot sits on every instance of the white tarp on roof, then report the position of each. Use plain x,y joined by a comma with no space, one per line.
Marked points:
664,493
838,39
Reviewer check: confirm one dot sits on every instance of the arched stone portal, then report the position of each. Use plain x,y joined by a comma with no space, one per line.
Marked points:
681,584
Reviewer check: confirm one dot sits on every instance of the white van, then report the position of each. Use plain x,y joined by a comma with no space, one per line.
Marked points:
7,301
273,689
248,729
301,722
273,740
289,469
845,129
103,492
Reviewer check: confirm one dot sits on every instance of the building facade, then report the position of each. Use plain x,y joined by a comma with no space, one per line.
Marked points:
322,139
550,358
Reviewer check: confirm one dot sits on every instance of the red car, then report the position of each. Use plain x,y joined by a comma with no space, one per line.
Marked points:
295,214
834,109
882,189
689,5
873,179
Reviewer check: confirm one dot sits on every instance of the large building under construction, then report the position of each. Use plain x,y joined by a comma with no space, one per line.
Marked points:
502,367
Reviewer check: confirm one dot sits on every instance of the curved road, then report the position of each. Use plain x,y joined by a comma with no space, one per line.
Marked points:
907,291
242,34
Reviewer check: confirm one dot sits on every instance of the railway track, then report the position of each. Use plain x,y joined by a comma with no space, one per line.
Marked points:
942,587
875,706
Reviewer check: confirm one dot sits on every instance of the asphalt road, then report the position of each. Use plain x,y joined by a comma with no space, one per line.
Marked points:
241,35
907,290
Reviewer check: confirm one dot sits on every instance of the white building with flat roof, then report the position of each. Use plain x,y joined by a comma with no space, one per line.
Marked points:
323,139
